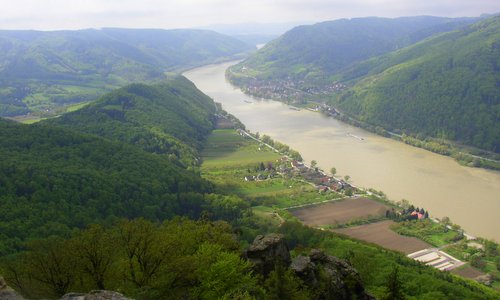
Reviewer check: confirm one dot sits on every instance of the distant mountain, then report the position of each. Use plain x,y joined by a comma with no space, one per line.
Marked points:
168,118
317,51
40,70
447,86
55,176
425,76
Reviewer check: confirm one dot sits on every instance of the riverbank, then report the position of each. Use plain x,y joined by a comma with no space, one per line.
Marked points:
464,155
468,196
266,190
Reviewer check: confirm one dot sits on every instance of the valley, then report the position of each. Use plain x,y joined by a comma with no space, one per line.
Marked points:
196,164
467,196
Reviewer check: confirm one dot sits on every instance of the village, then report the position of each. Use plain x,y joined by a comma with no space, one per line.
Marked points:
288,89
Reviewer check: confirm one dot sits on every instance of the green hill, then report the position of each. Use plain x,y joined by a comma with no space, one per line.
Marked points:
446,86
315,52
42,70
423,76
55,179
168,118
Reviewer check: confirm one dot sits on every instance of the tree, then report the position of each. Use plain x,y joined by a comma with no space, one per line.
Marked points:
50,264
144,250
222,274
313,163
405,203
347,177
394,286
283,284
333,171
95,250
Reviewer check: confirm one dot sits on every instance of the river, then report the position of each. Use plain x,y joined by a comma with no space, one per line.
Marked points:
470,197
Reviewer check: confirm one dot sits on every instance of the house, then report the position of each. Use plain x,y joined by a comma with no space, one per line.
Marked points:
418,214
325,180
249,178
297,164
261,177
322,188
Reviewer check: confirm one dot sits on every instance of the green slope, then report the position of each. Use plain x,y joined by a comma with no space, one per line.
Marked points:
54,180
168,118
446,87
59,174
42,70
315,52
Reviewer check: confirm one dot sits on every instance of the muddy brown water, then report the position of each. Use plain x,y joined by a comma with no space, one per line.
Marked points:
470,197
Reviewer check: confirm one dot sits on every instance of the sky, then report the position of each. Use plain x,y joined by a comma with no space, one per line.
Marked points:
77,14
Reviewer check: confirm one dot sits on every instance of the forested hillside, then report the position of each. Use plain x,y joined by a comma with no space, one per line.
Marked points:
42,70
438,77
54,180
170,118
315,52
446,87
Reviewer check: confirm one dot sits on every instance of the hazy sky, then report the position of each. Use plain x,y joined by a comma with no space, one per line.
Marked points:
73,14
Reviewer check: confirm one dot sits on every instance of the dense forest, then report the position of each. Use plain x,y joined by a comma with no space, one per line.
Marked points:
40,70
445,87
170,118
54,180
315,52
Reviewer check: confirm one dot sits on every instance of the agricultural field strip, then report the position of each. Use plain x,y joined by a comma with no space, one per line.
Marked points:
339,212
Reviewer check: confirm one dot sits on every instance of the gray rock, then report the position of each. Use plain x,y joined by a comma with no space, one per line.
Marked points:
305,269
6,293
95,295
343,280
267,251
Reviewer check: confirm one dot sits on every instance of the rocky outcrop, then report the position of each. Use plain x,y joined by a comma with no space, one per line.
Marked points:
342,280
326,276
6,293
267,251
95,295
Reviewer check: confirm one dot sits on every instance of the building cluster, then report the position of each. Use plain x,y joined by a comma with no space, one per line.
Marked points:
289,88
293,168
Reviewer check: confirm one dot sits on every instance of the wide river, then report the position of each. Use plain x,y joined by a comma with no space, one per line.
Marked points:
470,197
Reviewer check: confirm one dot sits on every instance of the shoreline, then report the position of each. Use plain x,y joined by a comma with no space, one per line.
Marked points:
447,148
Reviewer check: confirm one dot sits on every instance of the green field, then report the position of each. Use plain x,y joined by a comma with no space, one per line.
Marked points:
228,158
435,234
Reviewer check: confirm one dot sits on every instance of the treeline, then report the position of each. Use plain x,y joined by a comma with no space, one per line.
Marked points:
282,148
177,259
186,259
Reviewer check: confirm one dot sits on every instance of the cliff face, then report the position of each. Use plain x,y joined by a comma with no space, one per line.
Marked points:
329,276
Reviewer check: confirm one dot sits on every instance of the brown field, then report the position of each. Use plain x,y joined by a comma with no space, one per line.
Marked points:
467,271
379,233
339,212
